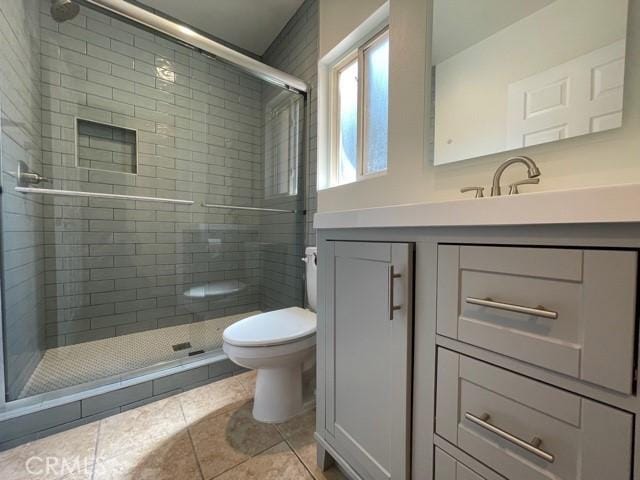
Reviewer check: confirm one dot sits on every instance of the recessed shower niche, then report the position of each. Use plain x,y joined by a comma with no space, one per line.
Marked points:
108,147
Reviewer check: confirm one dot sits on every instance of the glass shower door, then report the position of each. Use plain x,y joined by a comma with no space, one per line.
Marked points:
157,202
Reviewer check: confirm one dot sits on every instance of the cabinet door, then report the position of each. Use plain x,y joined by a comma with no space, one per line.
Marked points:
368,349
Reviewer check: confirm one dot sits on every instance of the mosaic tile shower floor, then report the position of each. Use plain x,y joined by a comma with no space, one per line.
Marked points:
85,362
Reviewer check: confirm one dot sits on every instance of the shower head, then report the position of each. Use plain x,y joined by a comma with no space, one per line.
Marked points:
63,10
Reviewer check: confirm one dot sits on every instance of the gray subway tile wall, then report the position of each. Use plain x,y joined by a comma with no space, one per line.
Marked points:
294,51
22,218
83,269
115,267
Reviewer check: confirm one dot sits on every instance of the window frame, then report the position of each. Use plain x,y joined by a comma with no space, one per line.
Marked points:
357,55
337,69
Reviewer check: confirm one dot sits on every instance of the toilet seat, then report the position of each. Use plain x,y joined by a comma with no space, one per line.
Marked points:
271,356
274,328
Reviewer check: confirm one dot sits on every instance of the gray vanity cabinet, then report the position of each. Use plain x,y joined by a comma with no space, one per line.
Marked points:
517,361
365,341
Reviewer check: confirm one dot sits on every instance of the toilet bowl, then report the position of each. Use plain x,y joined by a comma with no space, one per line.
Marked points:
278,344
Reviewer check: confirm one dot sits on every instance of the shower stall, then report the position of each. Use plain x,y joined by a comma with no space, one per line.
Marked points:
152,194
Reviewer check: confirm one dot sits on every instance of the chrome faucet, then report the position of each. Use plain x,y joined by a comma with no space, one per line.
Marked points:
532,172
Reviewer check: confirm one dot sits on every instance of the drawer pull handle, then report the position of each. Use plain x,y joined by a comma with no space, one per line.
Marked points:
392,277
539,311
531,447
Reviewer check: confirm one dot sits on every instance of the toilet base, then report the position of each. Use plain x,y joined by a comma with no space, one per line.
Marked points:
278,394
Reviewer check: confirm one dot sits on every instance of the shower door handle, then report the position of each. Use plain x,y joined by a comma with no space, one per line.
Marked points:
392,276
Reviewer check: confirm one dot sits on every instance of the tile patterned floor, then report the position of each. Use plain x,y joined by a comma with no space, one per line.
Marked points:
76,364
202,434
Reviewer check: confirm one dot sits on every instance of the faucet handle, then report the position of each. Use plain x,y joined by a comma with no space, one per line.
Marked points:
513,188
479,191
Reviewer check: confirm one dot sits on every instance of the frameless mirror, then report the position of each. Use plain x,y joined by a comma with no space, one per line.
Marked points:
509,74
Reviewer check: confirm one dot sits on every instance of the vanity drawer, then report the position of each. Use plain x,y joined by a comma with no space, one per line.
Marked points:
495,416
571,311
448,468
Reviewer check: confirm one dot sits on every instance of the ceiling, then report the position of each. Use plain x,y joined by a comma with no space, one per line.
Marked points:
458,24
249,24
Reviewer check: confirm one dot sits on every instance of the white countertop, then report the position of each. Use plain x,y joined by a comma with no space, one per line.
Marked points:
610,204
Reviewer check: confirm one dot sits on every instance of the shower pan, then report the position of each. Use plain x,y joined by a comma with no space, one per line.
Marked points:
152,194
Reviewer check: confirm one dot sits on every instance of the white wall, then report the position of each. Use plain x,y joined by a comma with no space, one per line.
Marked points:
610,157
472,86
338,18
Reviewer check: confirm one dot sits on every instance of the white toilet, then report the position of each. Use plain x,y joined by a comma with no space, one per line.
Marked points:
278,345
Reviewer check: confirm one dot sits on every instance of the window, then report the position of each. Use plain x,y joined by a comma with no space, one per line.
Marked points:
359,117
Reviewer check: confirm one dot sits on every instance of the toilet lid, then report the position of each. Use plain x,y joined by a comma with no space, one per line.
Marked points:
271,328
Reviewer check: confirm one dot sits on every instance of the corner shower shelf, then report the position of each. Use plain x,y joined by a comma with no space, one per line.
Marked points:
215,289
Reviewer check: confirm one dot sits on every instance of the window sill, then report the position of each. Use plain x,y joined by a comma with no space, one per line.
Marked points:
361,179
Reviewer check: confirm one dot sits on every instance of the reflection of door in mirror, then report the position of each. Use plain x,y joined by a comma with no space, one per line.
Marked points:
512,74
581,96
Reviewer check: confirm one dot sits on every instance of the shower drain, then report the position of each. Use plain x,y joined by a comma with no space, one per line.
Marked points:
181,346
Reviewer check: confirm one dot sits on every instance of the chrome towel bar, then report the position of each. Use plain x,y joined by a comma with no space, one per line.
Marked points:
531,447
73,193
257,209
539,311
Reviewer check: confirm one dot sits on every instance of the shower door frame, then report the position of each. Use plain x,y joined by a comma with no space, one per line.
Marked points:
3,372
206,45
191,36
54,398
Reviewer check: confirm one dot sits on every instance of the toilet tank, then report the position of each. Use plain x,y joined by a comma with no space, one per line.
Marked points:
312,276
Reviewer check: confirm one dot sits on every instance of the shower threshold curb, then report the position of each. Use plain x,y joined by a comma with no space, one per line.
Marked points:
66,395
